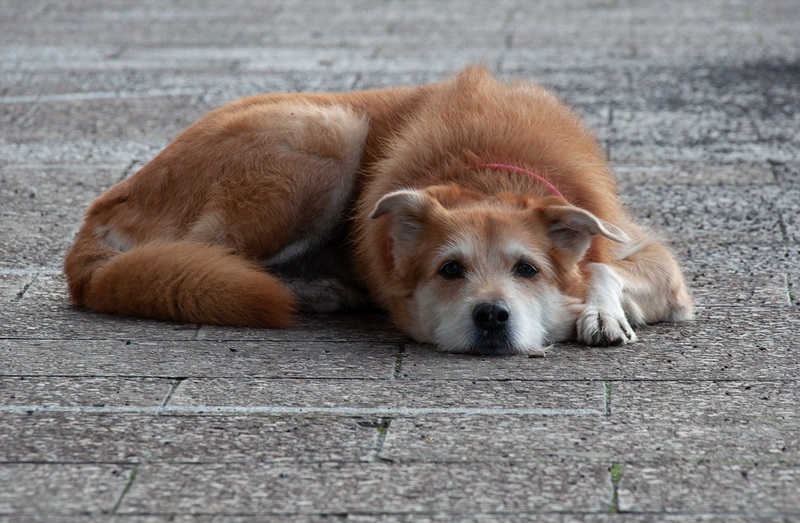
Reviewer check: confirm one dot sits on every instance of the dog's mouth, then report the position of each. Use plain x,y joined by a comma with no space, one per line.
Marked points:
492,343
479,342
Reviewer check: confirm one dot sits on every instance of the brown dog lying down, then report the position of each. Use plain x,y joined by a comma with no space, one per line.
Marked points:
481,215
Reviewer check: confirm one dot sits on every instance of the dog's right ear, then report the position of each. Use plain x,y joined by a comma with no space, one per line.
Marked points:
409,210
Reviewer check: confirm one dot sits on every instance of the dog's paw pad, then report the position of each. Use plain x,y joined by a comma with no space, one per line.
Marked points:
599,328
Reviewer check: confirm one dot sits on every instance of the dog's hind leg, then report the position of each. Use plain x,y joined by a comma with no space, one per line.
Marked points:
293,174
290,170
654,289
262,178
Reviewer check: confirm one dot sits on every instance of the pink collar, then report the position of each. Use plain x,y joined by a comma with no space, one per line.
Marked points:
499,166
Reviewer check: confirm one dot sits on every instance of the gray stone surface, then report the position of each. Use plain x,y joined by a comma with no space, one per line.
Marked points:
133,438
377,488
647,439
34,491
31,392
171,358
754,490
342,417
399,395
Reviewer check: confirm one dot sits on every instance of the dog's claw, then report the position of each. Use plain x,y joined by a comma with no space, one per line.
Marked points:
600,328
616,341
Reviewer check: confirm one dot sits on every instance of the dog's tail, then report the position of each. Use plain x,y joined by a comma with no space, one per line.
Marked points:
180,281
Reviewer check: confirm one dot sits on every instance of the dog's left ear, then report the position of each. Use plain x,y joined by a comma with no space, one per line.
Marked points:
571,229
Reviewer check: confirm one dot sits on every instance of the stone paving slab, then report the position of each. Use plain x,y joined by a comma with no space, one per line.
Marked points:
786,173
761,346
570,517
276,489
739,214
752,489
744,278
708,128
19,394
133,118
36,238
12,285
708,400
96,150
40,309
33,187
720,289
744,259
169,358
388,396
633,174
19,324
136,438
36,492
619,438
698,152
344,328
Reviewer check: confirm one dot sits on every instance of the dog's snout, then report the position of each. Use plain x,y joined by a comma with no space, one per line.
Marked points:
490,316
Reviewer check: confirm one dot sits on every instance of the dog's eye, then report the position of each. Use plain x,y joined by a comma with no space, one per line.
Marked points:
452,270
526,270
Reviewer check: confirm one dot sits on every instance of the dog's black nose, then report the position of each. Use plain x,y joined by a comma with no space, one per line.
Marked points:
490,316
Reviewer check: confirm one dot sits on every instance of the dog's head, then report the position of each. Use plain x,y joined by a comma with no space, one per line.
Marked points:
487,274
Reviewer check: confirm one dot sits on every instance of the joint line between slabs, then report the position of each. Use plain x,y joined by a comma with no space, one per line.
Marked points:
131,168
30,272
382,427
210,410
21,293
615,472
100,95
125,489
397,371
790,290
174,387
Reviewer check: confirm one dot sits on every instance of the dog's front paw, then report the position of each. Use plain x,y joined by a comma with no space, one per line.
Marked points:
603,328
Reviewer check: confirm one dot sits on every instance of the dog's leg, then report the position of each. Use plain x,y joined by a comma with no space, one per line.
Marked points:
644,284
296,173
604,322
321,280
654,287
325,295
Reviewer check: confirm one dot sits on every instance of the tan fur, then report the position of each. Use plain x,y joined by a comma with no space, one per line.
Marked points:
375,190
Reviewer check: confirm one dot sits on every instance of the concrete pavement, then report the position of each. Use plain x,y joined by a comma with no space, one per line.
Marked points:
343,418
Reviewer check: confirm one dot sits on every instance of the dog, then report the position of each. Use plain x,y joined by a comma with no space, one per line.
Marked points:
481,215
